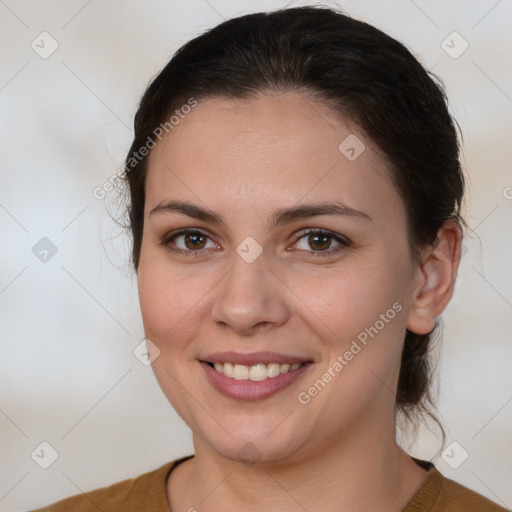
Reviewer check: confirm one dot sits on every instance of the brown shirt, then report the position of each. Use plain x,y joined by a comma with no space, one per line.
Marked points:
148,492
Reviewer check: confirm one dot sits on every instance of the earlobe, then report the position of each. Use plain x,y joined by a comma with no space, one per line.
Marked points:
435,279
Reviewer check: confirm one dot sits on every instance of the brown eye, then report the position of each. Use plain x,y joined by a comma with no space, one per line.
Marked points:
319,242
316,242
189,241
194,241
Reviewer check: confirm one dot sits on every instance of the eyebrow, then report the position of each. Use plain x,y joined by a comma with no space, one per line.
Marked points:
279,217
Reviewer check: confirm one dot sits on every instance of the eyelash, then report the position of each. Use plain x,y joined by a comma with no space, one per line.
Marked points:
343,242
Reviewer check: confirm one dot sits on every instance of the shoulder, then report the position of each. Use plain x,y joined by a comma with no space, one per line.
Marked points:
455,497
441,494
144,492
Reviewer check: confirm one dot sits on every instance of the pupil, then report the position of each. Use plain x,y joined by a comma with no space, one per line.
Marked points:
324,241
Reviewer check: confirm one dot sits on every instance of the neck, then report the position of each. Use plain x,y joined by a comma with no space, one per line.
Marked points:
362,470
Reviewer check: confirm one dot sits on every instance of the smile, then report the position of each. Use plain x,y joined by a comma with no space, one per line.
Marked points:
254,376
256,372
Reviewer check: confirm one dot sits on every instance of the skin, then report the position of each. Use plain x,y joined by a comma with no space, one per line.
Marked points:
244,159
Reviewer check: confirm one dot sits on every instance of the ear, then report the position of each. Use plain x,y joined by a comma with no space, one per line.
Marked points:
435,279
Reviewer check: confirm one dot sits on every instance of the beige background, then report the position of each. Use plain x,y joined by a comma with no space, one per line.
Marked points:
68,375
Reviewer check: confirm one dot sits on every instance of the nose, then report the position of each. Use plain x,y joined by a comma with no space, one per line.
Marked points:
250,298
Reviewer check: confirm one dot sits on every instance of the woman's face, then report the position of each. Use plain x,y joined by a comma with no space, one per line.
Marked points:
253,286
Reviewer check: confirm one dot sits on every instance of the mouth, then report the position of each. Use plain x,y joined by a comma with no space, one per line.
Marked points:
252,376
256,372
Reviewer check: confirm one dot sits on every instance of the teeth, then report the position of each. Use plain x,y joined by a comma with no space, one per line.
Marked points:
274,369
228,369
240,372
256,372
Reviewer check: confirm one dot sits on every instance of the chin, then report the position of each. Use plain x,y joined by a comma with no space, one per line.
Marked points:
251,451
267,439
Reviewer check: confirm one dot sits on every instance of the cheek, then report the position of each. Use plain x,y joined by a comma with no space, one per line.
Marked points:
362,327
170,298
351,299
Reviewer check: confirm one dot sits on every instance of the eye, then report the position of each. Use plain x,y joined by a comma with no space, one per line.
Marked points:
189,242
313,242
319,242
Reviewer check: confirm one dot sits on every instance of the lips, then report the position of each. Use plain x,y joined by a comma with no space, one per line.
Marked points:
252,376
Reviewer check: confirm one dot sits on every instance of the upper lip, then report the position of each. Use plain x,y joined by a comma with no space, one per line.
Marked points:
252,358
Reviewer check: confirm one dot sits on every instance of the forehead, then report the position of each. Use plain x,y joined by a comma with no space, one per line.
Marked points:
271,151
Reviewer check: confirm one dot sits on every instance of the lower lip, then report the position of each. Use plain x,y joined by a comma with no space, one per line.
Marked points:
252,390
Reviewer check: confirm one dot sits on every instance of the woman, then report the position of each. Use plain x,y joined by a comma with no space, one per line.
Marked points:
295,210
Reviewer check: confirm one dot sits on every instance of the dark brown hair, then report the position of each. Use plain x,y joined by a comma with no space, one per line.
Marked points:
356,70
